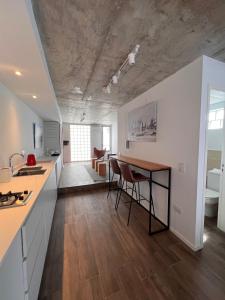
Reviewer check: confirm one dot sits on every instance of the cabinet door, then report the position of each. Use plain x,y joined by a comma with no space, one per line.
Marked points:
50,196
52,135
58,168
11,272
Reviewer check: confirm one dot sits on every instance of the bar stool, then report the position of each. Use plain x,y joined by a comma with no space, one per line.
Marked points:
133,178
116,170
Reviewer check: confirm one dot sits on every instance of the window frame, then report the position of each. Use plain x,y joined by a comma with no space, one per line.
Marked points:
110,137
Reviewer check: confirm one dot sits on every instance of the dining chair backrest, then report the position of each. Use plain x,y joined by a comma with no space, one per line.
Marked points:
99,153
115,166
126,173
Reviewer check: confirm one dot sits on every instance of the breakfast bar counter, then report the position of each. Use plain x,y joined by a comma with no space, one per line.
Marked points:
150,167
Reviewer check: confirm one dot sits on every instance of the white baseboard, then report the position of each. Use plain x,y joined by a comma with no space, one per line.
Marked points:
183,239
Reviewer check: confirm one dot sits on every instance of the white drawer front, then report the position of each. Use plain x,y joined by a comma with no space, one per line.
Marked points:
33,291
30,260
30,226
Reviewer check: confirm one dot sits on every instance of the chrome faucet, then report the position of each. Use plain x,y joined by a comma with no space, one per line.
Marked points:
10,160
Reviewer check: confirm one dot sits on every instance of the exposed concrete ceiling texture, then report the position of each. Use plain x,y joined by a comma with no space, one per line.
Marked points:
85,42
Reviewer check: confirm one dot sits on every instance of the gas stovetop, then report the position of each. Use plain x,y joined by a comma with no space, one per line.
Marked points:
14,199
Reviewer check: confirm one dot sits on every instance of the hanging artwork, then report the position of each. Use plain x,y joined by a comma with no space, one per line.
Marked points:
142,123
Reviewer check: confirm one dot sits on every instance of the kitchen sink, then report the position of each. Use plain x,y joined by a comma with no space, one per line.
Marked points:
30,169
29,172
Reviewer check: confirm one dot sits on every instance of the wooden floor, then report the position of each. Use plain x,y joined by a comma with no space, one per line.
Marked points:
94,255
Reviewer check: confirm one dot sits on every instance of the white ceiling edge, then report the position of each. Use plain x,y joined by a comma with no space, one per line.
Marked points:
21,49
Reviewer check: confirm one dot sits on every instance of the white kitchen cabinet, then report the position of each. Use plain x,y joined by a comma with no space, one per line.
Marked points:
30,226
11,272
49,195
52,136
34,262
58,168
21,271
32,293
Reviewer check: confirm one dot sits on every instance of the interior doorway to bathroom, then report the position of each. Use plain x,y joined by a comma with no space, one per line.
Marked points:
214,191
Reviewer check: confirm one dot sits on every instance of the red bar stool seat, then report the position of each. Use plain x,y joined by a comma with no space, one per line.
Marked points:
134,178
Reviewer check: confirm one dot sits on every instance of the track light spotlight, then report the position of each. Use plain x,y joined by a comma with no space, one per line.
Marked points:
114,79
108,89
131,58
136,49
77,90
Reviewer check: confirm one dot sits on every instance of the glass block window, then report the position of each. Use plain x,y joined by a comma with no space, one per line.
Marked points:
80,136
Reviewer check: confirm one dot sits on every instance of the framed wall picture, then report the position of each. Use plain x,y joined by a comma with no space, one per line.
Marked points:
37,136
142,123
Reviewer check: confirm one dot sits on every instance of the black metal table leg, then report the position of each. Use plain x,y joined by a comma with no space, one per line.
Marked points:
169,195
119,195
150,204
109,181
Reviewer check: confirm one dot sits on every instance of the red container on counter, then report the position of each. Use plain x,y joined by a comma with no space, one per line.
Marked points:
31,160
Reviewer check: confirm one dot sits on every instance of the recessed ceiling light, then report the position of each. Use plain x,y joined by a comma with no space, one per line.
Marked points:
18,73
34,97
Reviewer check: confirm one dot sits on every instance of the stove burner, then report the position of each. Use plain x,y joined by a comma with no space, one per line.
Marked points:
14,199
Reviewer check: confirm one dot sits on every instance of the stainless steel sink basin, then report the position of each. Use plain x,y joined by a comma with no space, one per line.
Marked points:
30,172
30,168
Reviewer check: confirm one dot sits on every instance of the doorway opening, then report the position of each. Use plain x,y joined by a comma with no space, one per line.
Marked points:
80,138
214,192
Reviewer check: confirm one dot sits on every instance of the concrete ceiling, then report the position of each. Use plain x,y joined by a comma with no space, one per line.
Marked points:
86,41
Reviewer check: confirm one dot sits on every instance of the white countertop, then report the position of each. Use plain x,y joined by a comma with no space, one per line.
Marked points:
12,219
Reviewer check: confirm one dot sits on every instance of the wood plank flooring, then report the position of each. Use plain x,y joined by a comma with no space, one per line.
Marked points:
92,254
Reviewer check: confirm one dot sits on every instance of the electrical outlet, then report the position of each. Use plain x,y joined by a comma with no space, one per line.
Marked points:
181,167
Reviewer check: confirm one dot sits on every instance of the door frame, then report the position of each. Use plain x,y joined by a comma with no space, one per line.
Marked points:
201,230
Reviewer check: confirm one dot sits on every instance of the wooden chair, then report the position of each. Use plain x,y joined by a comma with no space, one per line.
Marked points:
99,153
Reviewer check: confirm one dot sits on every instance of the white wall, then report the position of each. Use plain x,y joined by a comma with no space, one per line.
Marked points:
179,103
16,126
115,133
96,136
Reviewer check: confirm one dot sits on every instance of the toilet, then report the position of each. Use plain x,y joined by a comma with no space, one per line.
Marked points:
212,193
